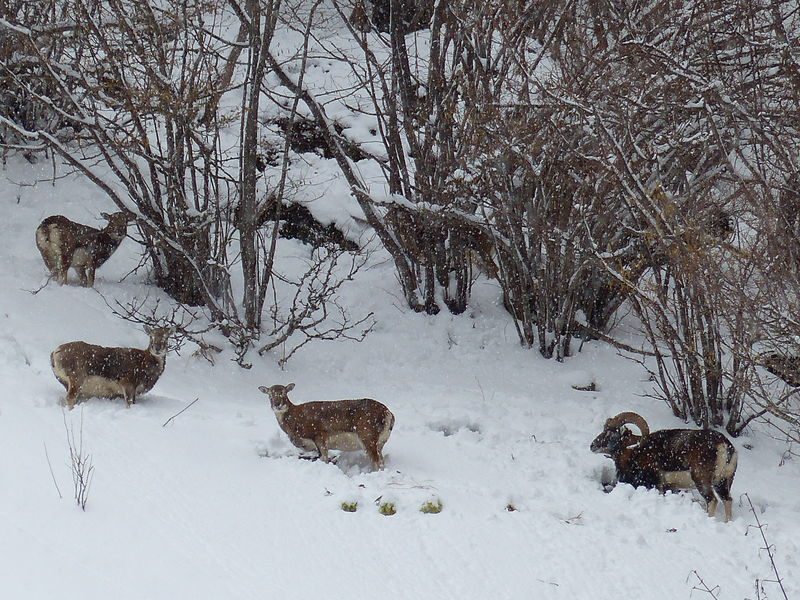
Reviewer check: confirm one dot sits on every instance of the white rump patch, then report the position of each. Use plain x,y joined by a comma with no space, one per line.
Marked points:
677,480
344,441
100,387
80,258
724,469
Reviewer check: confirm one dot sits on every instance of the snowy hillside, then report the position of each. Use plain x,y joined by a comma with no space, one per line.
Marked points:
217,505
197,494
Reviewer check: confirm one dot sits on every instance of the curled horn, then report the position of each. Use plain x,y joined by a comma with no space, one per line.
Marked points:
629,417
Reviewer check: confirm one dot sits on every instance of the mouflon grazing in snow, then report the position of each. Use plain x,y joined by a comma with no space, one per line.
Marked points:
64,244
333,424
670,459
88,371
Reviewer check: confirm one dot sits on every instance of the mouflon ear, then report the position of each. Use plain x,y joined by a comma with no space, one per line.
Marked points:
290,387
263,389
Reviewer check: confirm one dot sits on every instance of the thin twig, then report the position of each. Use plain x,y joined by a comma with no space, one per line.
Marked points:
592,332
53,475
767,546
180,411
703,587
41,287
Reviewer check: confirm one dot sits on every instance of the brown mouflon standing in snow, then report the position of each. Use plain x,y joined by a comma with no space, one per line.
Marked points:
671,459
64,244
88,371
334,424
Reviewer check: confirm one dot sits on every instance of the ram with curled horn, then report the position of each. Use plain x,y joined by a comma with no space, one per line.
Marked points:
670,459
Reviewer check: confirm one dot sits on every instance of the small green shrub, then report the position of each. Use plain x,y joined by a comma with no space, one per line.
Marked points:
387,508
431,507
349,506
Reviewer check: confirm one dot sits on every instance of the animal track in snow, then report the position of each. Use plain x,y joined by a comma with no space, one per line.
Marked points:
452,426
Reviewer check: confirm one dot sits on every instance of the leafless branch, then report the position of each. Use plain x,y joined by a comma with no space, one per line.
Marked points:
168,421
702,586
80,463
50,465
769,548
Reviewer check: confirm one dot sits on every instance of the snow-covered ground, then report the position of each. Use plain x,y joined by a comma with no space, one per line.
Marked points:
217,505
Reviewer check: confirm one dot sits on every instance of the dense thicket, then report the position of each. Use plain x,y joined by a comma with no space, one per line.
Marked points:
129,93
587,155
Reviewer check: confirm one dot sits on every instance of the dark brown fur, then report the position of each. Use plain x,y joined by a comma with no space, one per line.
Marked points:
643,460
59,239
314,426
86,370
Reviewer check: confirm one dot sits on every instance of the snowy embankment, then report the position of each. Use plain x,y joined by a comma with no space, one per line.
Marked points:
217,505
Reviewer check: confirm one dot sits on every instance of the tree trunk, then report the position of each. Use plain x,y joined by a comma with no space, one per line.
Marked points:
175,274
246,215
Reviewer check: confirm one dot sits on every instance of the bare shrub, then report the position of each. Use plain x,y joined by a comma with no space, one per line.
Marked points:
314,312
80,463
145,96
687,144
23,78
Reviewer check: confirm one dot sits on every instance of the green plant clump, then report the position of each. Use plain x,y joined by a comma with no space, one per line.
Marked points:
349,506
431,507
387,508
